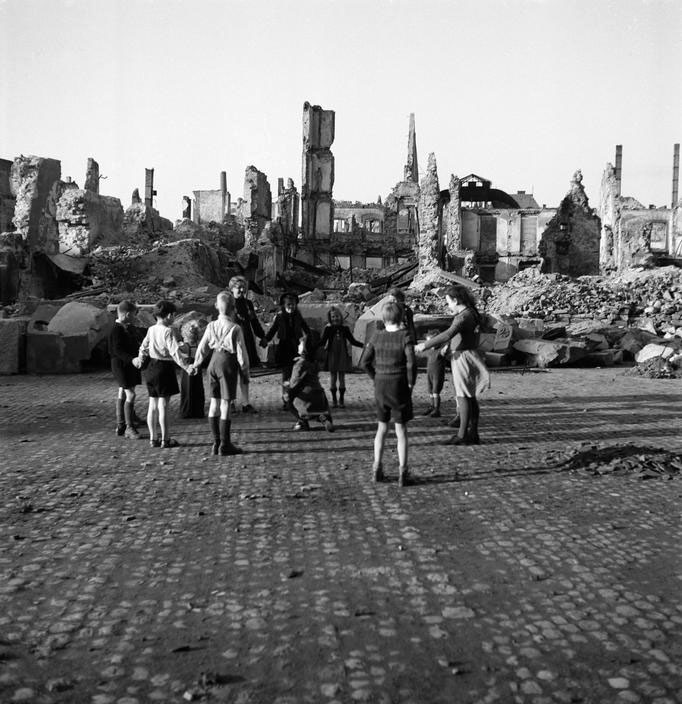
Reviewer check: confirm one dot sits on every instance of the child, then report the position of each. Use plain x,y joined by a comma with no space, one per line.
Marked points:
160,350
305,391
396,295
469,374
192,398
123,344
228,361
389,360
245,317
435,376
335,338
289,327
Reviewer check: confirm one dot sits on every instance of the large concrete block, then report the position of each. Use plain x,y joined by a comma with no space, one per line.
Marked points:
13,345
52,353
76,318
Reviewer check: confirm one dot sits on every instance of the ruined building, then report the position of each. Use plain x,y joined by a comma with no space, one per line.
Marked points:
632,233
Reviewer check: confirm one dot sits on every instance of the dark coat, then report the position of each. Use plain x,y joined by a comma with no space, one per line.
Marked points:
305,390
289,328
245,317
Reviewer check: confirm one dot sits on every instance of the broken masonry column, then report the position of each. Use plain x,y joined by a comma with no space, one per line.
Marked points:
135,198
256,207
412,167
619,167
35,184
92,176
149,191
317,205
610,217
454,218
186,208
429,220
7,200
287,208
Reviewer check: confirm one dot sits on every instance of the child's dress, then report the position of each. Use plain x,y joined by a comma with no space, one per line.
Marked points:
192,397
336,339
306,392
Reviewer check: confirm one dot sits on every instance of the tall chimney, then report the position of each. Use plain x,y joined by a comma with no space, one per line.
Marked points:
223,192
619,165
676,174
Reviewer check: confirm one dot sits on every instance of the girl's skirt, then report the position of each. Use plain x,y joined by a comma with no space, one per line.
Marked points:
161,378
469,374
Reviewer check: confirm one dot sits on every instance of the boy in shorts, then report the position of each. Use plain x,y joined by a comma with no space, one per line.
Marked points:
389,360
161,351
228,361
123,345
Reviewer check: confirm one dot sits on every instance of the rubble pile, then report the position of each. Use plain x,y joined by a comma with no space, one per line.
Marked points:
655,294
655,368
180,269
643,462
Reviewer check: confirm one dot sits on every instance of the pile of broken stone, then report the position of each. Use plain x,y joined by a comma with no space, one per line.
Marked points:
544,320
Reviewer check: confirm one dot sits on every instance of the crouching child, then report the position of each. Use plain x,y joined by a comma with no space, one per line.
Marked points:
304,393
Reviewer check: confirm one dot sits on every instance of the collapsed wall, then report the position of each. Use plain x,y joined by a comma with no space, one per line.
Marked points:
86,219
570,243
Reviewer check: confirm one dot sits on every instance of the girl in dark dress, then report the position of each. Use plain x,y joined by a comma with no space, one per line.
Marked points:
192,397
289,327
336,338
245,317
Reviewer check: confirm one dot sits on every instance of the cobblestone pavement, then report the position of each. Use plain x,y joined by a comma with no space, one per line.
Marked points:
130,574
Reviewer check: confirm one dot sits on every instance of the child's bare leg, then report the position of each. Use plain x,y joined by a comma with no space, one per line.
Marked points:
379,440
401,435
224,409
214,422
128,413
120,417
152,416
164,420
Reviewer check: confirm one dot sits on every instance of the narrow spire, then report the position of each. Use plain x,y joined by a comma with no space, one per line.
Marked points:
412,167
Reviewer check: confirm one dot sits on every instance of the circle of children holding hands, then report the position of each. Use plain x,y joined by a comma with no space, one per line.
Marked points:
227,349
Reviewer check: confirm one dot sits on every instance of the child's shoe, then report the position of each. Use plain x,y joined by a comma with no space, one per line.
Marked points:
215,448
230,449
403,476
302,425
457,440
377,473
131,434
120,430
169,442
154,442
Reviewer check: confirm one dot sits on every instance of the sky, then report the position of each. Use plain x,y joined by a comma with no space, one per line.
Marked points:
521,92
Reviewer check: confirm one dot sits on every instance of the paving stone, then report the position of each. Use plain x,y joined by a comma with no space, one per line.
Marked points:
286,574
